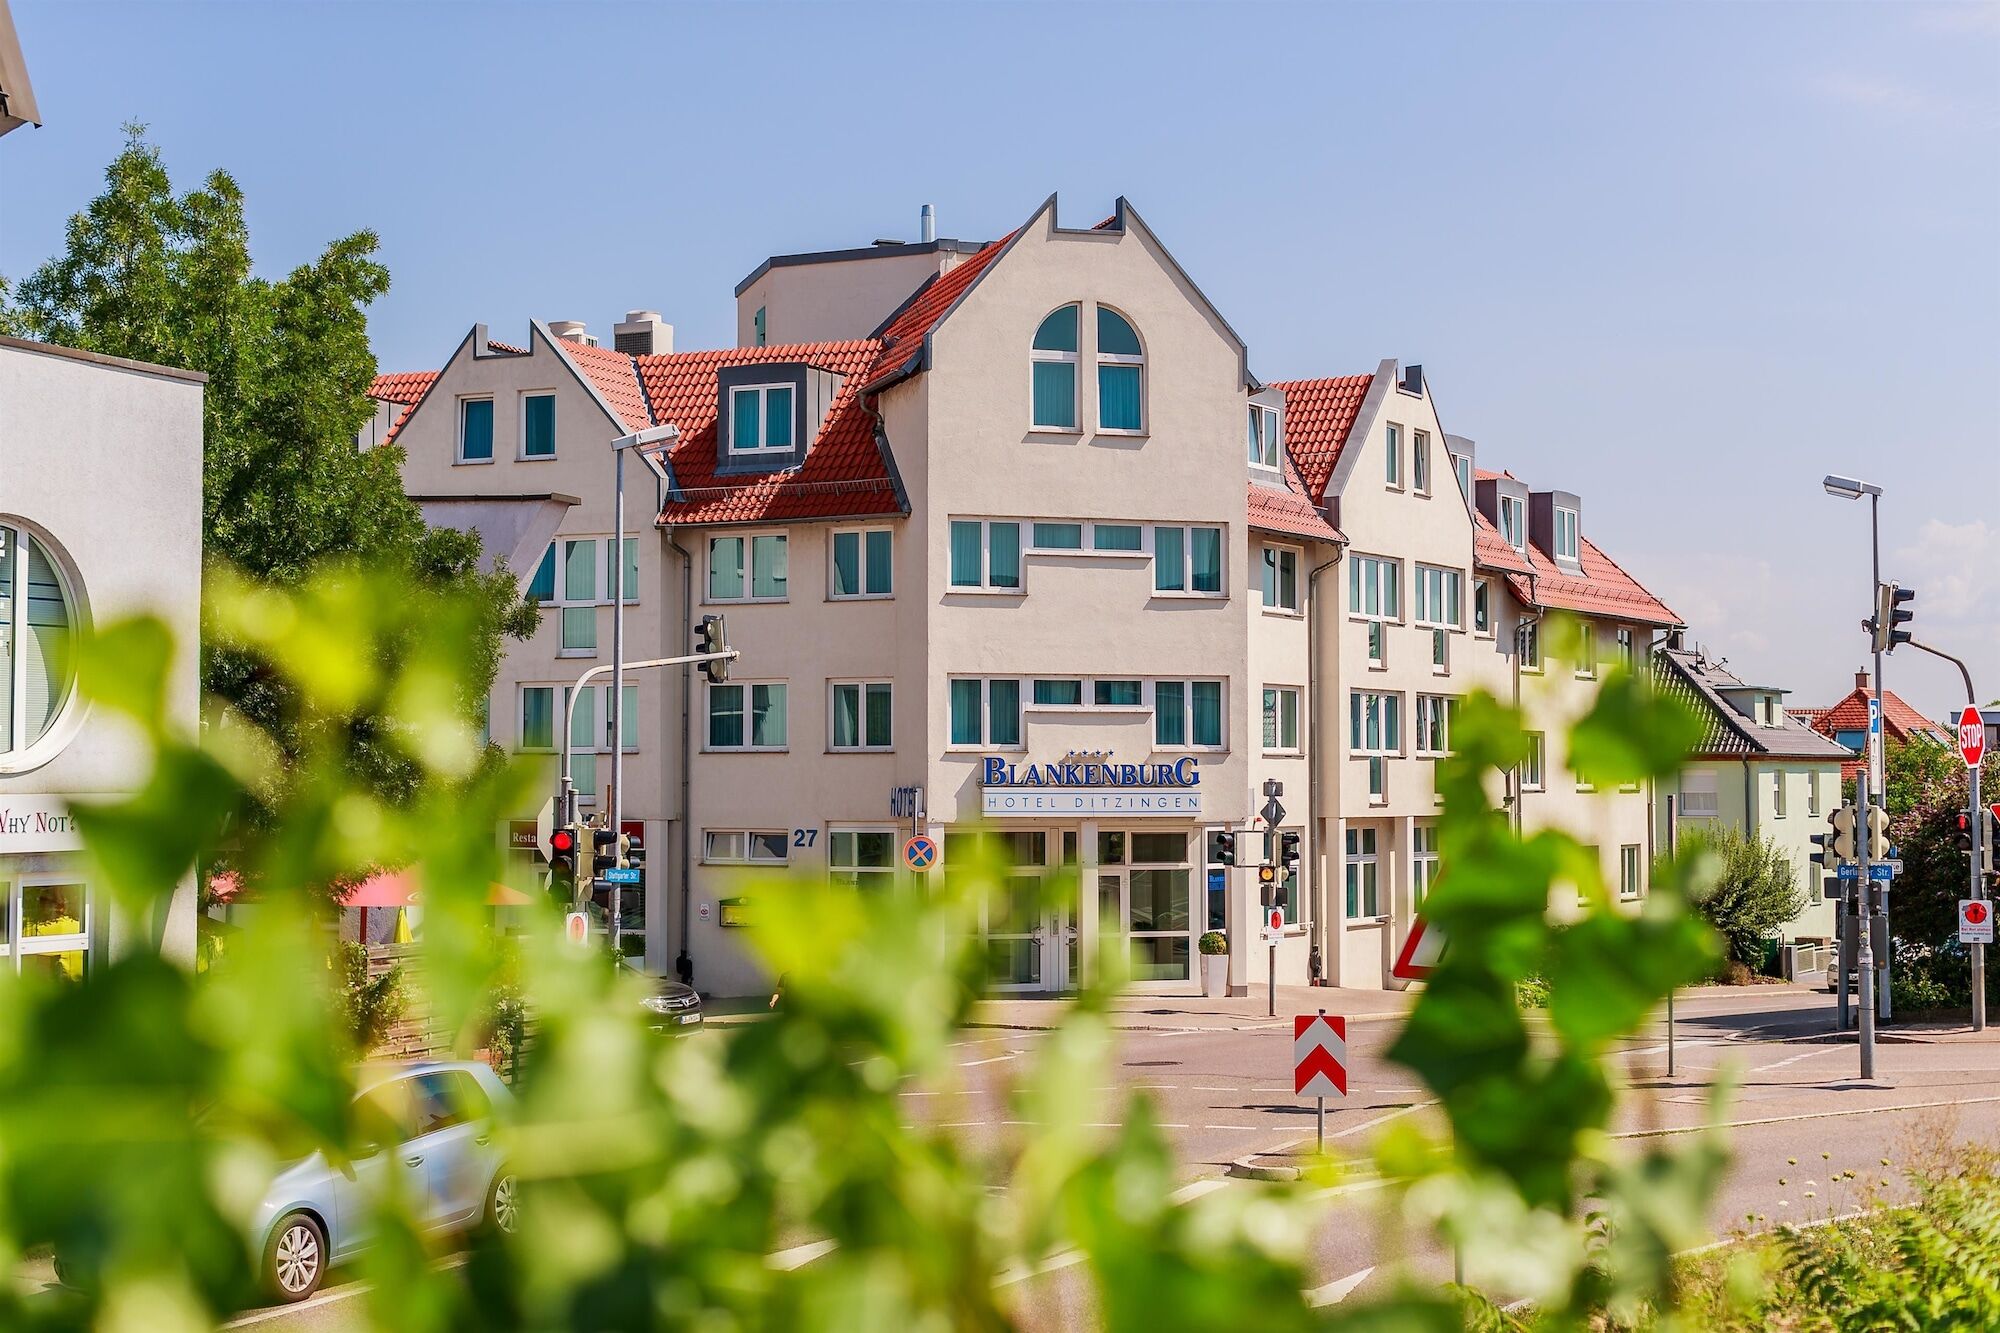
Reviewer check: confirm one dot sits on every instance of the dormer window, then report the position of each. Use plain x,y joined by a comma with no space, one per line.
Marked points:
1514,522
1462,464
760,419
1264,438
1566,534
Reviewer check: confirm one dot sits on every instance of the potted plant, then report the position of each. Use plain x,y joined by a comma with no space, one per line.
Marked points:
1214,964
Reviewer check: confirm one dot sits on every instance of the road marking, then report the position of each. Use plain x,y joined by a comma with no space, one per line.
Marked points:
1370,1124
1333,1293
1806,1115
1678,1046
1194,1189
1060,1259
1229,1127
784,1261
989,1060
1793,1059
333,1296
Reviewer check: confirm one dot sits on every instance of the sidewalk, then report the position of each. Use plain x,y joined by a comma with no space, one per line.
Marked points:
1195,1013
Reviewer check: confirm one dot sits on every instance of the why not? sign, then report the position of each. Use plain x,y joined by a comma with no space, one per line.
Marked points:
1971,737
1975,921
1319,1055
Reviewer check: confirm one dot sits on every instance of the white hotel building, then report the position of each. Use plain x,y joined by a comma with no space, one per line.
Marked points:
985,528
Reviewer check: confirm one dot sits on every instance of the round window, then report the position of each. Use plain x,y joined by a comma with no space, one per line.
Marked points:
40,613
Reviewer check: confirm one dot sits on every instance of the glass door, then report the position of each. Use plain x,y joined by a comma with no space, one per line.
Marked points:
1145,891
1012,924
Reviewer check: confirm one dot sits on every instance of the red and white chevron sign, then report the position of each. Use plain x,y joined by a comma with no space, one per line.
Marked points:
1319,1055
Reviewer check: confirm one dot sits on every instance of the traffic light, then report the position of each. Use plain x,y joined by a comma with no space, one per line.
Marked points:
1889,614
712,637
603,851
1288,851
1824,856
1878,833
631,851
1843,820
562,865
1961,827
1225,849
1267,884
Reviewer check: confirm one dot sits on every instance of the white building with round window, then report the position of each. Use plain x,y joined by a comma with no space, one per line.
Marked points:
100,518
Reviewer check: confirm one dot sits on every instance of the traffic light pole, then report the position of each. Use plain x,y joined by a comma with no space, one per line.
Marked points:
1864,961
1978,813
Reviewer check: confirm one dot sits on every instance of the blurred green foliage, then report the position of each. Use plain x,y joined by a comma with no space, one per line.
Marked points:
143,1112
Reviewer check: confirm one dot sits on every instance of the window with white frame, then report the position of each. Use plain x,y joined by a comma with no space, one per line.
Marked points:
1434,714
985,712
475,430
1378,645
1514,521
1374,587
1812,794
753,568
1187,714
745,847
1420,462
1628,870
1627,653
40,610
1056,692
1052,363
1482,608
986,554
761,419
1778,794
1462,465
1116,693
1392,455
1281,578
1188,560
1531,646
52,923
860,715
1117,537
1055,536
1533,768
1566,544
1437,596
538,425
542,708
1364,897
1121,374
746,715
1264,438
1586,651
567,580
1699,798
861,858
1440,652
862,564
1375,723
1423,860
1281,717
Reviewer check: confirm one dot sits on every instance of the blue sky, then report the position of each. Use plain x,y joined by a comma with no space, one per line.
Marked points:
1680,259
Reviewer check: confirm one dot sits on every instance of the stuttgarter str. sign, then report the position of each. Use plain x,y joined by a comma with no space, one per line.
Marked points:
1090,787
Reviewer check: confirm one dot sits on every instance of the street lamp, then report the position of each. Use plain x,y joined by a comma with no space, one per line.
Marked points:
650,443
1853,488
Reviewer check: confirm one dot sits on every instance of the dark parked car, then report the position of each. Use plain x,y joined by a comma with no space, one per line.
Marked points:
671,1006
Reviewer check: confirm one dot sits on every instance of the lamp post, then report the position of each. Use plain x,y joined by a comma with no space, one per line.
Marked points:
1852,488
659,437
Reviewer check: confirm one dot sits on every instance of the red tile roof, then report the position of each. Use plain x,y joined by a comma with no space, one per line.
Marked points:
1492,551
1288,512
1851,714
403,387
844,474
1319,415
1602,589
612,374
902,338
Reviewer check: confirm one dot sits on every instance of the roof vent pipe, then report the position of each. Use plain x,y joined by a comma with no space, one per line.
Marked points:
927,225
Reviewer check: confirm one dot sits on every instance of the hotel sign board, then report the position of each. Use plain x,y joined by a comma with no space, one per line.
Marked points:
1090,786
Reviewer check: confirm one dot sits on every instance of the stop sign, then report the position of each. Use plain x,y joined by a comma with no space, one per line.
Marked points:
1971,737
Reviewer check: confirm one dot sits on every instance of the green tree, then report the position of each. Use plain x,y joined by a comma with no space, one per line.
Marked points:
157,276
1756,890
1927,789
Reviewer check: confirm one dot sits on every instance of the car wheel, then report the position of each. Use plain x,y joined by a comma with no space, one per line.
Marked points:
503,1203
295,1258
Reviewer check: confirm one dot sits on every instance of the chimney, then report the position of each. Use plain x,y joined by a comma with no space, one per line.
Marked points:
927,225
1861,679
1413,379
571,329
642,334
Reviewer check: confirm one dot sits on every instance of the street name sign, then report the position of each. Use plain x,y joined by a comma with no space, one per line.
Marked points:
1975,921
1879,872
1971,737
623,875
1319,1055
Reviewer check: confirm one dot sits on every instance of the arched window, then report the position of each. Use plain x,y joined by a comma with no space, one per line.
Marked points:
1054,358
38,613
1121,374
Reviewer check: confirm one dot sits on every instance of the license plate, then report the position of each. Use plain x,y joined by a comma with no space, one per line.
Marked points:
690,1018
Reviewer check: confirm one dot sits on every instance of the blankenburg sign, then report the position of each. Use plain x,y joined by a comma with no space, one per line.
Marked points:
1091,785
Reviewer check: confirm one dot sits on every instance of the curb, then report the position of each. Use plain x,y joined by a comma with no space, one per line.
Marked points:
1262,1022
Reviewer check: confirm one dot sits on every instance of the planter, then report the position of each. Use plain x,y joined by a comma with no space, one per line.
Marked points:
1215,975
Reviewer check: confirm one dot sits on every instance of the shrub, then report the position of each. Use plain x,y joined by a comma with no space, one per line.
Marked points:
369,1006
1756,890
1214,942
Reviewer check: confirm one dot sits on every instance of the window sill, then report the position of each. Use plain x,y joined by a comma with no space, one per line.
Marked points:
1182,595
1093,552
854,597
1066,432
742,601
534,458
1118,434
1378,665
746,749
1366,922
860,749
472,462
1285,612
1116,710
577,652
1485,634
975,750
1532,790
1284,754
985,592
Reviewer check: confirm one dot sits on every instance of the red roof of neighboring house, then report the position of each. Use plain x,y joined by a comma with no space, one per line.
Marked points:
1492,550
1319,415
1602,589
612,374
902,338
1851,714
844,474
402,387
1273,510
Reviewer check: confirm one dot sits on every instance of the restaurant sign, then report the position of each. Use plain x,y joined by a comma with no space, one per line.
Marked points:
30,823
1090,784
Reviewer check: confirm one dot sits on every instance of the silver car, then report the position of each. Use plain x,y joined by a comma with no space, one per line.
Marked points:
431,1130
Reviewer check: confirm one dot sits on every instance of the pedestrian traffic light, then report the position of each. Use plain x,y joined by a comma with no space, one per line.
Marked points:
631,850
1843,820
1823,854
712,637
1878,833
1267,884
1961,828
562,865
1889,613
1288,851
1225,849
603,851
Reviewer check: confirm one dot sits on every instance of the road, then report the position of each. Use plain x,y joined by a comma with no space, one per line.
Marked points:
1800,1117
